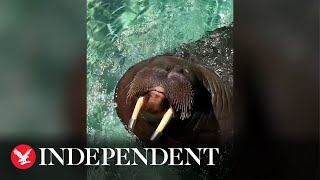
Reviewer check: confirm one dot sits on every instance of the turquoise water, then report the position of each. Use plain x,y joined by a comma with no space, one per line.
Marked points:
122,33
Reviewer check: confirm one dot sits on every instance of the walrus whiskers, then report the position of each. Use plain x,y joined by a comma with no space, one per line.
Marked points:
134,116
163,123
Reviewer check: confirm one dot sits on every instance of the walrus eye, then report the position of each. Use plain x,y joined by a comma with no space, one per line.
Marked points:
168,67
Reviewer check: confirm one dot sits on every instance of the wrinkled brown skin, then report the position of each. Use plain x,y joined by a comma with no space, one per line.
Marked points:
211,120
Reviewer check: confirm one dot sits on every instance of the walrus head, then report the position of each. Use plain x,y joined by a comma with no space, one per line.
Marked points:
163,90
157,91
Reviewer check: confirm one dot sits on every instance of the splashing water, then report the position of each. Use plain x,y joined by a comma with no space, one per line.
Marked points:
121,33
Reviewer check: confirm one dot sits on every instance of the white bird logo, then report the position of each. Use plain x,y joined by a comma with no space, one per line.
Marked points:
22,158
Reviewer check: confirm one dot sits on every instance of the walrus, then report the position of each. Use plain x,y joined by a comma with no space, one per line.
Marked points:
168,101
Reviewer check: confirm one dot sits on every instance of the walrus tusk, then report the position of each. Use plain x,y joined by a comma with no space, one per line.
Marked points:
163,123
134,116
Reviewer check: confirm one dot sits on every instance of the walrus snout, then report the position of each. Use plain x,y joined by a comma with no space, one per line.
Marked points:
155,100
168,115
156,105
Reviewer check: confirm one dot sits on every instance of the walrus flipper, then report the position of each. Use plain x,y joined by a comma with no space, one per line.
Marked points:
220,99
